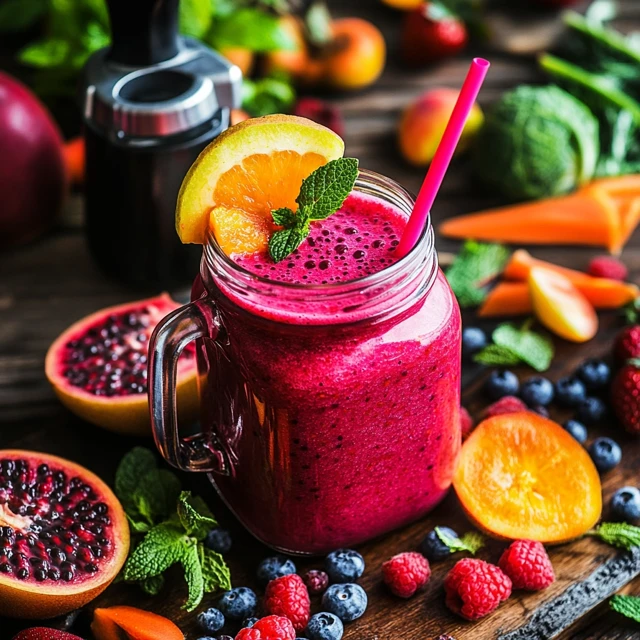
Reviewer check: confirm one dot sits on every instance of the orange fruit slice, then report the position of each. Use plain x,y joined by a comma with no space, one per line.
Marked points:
560,307
522,476
253,167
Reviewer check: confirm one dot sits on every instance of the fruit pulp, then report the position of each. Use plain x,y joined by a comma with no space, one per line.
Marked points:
338,428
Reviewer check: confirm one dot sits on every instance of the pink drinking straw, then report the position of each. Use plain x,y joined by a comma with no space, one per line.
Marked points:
442,158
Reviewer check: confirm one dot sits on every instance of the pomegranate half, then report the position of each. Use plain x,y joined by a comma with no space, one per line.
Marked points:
63,535
98,367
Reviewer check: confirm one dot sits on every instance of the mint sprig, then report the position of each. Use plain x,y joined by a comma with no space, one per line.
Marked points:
168,527
514,345
474,267
628,606
471,541
618,534
321,195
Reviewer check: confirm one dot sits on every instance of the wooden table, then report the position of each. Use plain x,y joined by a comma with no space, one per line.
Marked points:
49,284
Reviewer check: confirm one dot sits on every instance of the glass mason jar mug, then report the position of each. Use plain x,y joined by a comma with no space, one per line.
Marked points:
330,413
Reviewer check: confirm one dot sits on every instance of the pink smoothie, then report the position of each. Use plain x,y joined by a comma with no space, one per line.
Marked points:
339,429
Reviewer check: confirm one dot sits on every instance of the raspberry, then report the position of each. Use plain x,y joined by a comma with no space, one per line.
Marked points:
466,423
508,404
527,564
316,581
288,596
269,628
474,588
405,573
608,267
627,344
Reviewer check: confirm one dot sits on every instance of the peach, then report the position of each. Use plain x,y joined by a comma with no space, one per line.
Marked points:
292,61
242,58
423,123
238,115
356,57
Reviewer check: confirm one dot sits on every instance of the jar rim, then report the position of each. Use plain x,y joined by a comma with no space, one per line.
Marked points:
367,180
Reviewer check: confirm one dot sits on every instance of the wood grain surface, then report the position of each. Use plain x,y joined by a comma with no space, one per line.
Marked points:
49,284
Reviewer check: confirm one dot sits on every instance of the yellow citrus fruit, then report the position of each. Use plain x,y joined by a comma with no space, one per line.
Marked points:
252,168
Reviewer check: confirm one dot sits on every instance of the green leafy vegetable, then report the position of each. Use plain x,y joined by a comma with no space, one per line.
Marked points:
471,541
168,528
514,345
537,142
474,267
321,194
628,606
618,534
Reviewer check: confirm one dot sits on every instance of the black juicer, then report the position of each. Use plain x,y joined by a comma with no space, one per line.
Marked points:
151,102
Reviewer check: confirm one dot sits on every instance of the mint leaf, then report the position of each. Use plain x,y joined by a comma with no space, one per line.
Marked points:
159,549
284,217
618,534
190,560
495,356
532,348
283,243
628,606
323,192
267,95
632,312
195,17
214,570
195,516
250,29
133,466
45,54
152,586
156,495
471,541
474,267
137,526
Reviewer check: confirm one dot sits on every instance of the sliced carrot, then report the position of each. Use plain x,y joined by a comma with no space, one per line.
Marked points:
129,623
629,218
521,262
620,185
74,157
588,217
514,299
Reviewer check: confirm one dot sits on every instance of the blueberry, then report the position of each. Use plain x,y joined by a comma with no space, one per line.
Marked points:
577,430
537,390
432,548
210,638
474,339
591,410
625,504
276,567
211,620
249,622
502,383
344,565
325,626
218,540
347,601
238,604
570,391
605,453
595,374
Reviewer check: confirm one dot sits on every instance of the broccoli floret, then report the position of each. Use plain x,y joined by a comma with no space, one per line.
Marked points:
536,142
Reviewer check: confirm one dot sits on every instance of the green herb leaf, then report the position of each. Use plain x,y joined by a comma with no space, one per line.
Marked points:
252,29
16,15
284,217
628,606
474,267
618,534
214,570
133,466
495,356
532,348
190,560
45,54
160,548
195,17
324,191
138,526
156,495
283,243
632,312
471,541
195,516
152,586
268,95
318,23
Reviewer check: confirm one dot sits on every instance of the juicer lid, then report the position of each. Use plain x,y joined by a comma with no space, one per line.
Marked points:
163,99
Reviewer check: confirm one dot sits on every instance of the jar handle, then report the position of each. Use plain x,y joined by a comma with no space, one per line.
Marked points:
197,452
